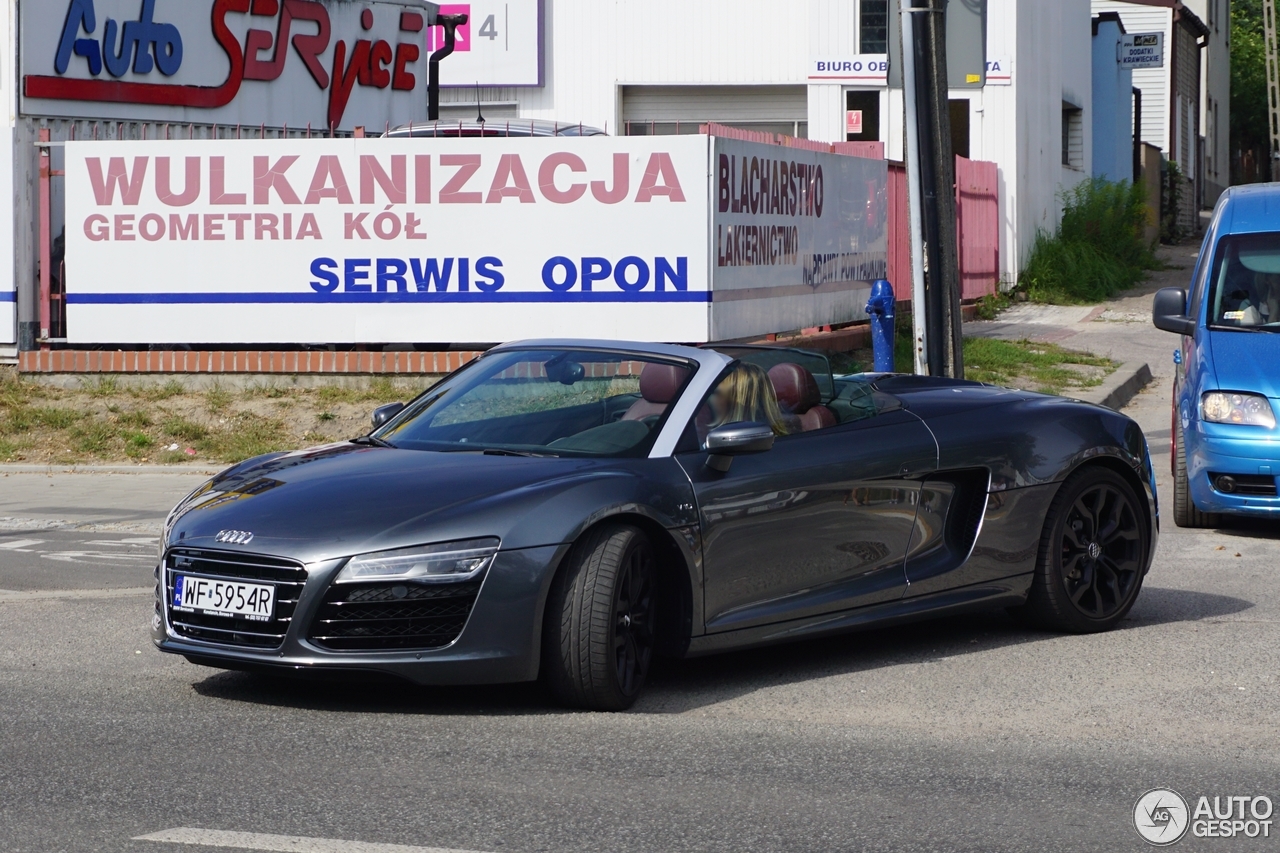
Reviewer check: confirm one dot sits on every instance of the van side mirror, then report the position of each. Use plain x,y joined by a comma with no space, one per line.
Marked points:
1169,311
730,440
382,414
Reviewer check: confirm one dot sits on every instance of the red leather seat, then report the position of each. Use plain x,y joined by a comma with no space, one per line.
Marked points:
798,395
659,384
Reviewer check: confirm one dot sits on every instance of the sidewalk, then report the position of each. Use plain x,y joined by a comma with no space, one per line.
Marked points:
1119,328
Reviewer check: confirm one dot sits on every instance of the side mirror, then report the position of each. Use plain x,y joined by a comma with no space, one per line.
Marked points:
382,414
730,440
1169,311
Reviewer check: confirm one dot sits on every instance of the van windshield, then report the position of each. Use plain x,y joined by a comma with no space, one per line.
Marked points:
1245,284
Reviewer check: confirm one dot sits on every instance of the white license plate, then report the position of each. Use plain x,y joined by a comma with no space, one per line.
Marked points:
224,598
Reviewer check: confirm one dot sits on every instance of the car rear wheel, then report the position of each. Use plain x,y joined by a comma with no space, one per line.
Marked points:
1185,513
598,639
1093,552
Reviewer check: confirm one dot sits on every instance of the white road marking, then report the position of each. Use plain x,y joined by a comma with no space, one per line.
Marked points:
97,557
7,595
20,544
283,843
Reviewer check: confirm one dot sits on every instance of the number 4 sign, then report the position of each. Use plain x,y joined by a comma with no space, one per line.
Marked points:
500,45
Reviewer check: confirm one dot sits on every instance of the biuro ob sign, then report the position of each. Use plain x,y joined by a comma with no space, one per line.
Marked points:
357,240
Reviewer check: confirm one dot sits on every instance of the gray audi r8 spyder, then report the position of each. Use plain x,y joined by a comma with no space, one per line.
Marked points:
567,510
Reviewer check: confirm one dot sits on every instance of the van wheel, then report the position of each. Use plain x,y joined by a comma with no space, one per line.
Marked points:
1185,513
598,638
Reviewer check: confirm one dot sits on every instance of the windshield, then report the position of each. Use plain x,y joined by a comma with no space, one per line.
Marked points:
1245,284
545,403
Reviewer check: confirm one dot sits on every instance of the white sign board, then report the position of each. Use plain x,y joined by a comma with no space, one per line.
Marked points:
299,63
1141,50
797,237
500,45
1000,71
868,69
379,240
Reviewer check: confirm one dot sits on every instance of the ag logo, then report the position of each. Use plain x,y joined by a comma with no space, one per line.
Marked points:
1161,817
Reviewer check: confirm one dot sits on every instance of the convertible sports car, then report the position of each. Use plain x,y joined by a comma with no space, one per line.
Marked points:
570,509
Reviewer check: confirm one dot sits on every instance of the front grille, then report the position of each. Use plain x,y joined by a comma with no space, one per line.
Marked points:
289,578
369,617
1250,485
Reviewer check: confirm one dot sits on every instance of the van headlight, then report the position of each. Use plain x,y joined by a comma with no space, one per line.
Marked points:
448,561
1232,407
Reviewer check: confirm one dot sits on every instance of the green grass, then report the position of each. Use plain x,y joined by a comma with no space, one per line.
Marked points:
217,399
102,386
1040,367
249,435
157,393
379,390
1098,249
181,428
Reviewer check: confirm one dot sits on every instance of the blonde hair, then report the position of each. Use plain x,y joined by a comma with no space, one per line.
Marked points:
749,396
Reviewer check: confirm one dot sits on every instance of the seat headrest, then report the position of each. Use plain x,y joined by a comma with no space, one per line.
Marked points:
796,388
659,383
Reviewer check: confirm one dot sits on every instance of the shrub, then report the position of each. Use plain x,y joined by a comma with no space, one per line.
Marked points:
1098,250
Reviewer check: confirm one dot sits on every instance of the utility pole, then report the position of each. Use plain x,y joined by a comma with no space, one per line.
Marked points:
931,169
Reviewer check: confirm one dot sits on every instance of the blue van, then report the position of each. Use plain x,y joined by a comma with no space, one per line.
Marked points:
1226,394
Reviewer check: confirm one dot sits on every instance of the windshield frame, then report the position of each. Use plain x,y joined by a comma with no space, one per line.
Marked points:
1212,300
482,369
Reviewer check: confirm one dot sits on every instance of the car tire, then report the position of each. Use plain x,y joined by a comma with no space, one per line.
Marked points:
598,636
1094,550
1185,513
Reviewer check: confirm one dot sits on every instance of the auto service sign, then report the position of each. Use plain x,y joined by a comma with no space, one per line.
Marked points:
797,237
358,240
318,63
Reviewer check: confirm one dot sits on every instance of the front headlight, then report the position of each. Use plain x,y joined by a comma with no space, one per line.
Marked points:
1230,407
448,561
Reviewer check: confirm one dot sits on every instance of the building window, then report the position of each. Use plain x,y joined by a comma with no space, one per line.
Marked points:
873,26
1072,136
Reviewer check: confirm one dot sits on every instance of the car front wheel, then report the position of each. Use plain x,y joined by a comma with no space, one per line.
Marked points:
1093,552
598,639
1185,513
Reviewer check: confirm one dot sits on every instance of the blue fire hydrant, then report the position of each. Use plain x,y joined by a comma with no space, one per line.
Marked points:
880,308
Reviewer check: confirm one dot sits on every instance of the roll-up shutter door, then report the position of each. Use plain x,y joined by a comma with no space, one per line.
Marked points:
680,109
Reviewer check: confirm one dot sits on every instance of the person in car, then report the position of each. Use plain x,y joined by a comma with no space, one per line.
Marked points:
746,394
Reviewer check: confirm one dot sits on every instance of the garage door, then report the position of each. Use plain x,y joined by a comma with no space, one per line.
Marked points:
680,109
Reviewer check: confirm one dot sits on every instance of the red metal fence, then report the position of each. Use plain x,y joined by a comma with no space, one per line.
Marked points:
978,226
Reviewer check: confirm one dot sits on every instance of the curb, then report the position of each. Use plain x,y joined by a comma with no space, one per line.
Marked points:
1119,388
207,470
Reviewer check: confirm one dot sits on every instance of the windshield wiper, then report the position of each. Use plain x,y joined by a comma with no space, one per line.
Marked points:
499,451
371,441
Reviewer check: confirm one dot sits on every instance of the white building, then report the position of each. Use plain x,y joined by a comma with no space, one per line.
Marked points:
628,66
1186,102
665,66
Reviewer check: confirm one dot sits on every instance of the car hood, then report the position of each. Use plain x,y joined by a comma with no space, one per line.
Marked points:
344,499
932,397
1246,361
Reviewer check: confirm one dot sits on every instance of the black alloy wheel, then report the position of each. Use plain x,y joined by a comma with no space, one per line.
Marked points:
1101,551
599,630
1093,553
633,621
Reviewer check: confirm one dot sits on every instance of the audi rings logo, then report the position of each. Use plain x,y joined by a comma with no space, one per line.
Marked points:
1161,817
234,537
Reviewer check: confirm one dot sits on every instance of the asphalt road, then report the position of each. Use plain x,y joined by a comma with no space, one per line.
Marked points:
969,734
